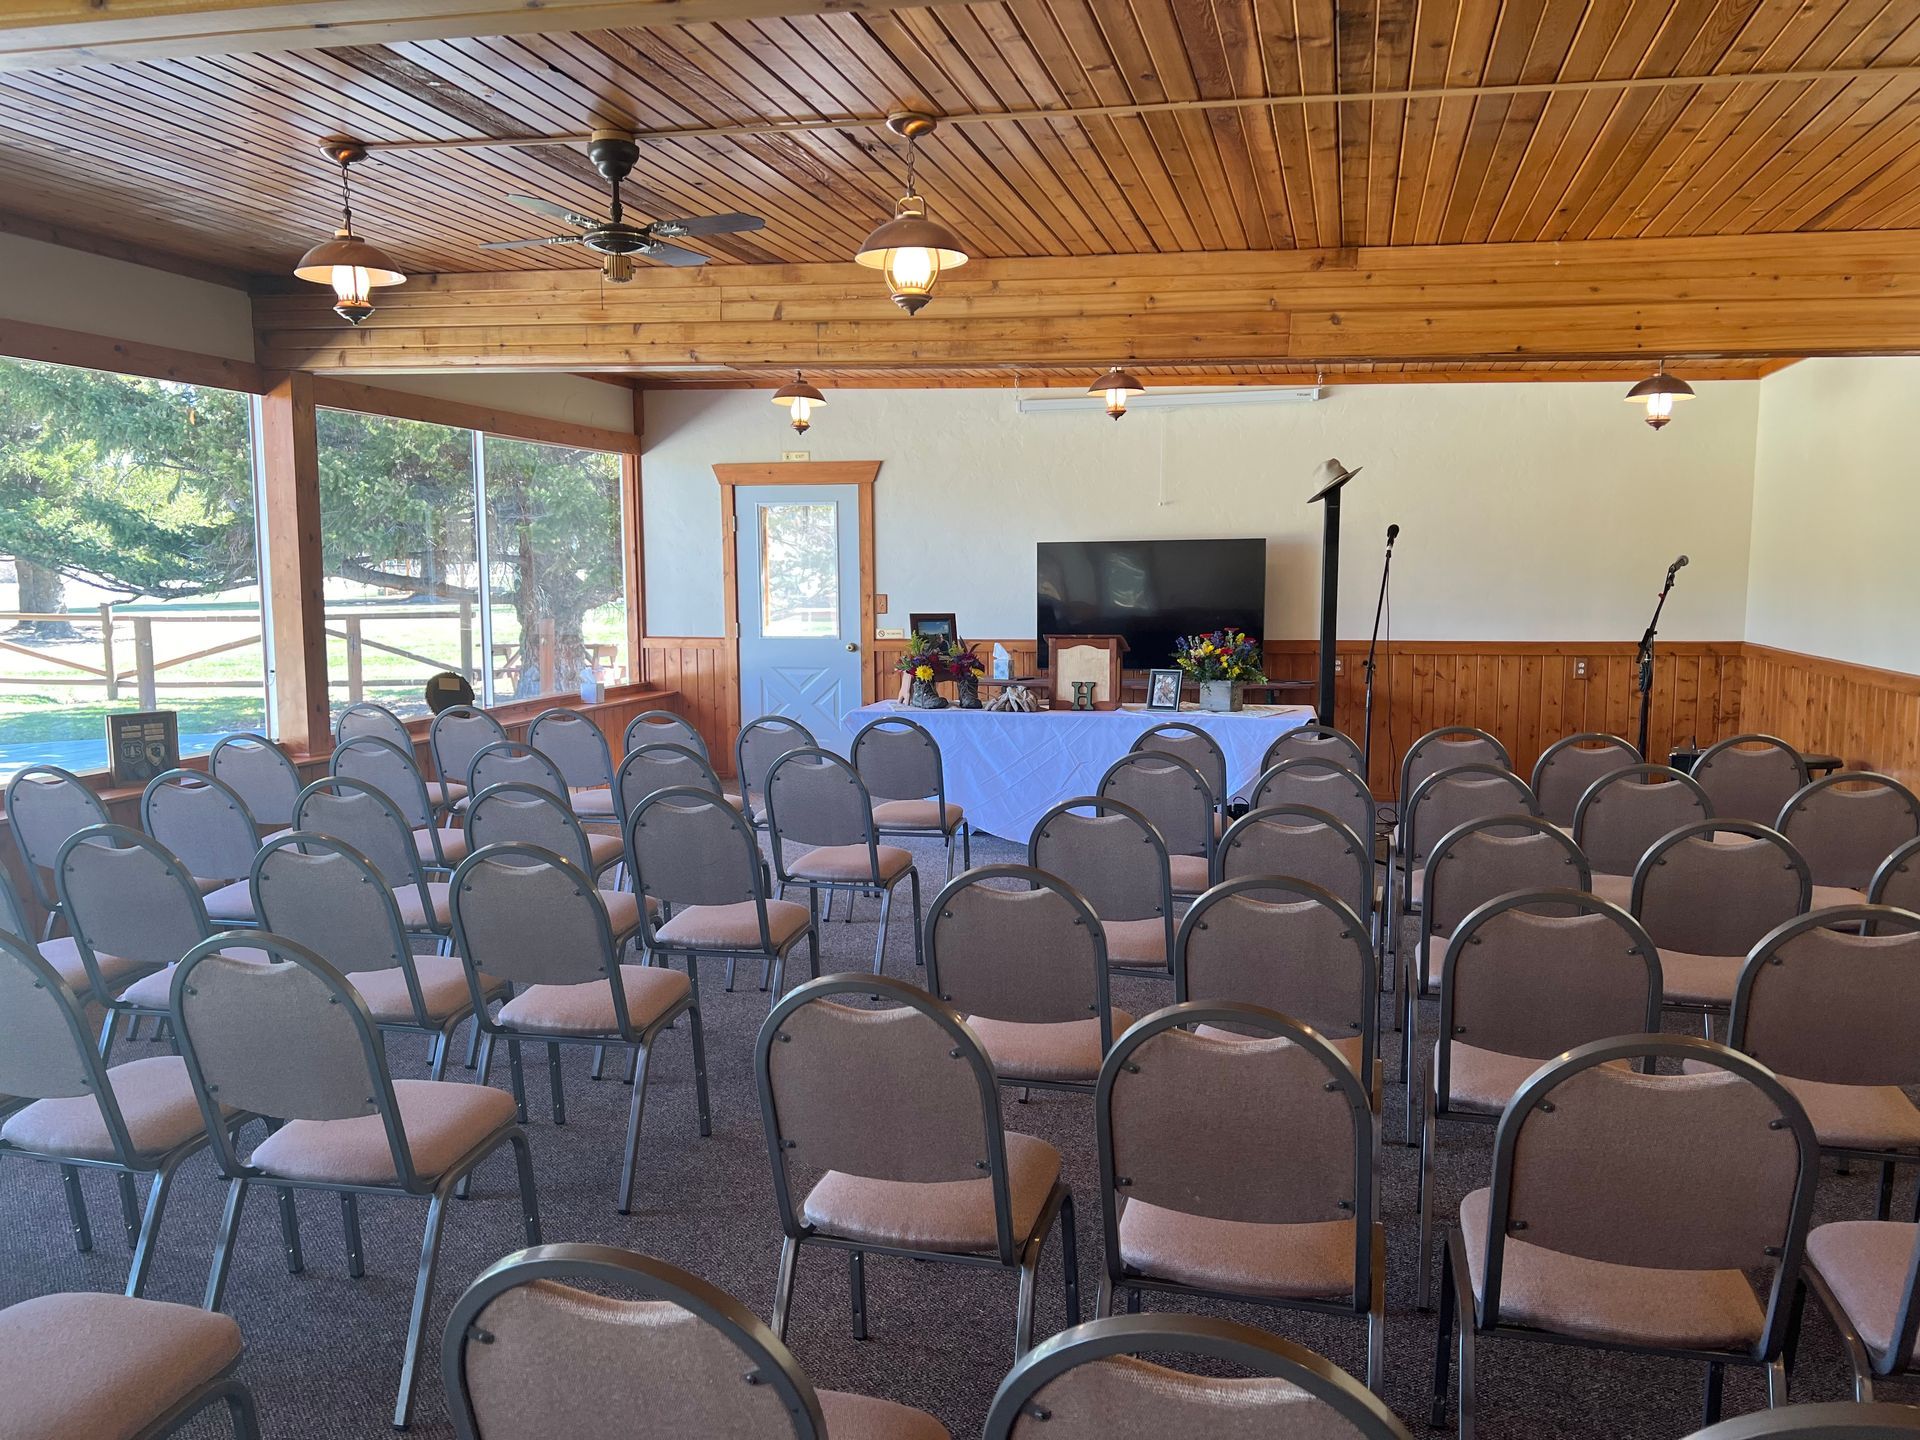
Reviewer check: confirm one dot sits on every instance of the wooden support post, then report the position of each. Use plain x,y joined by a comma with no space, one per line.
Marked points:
106,653
466,642
633,538
356,662
292,570
143,662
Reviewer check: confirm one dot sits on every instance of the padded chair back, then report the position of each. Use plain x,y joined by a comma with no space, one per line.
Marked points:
1702,891
1897,881
459,733
1193,745
1284,945
1322,781
45,805
45,1053
363,816
1113,857
1749,777
1819,1002
1541,971
388,769
321,893
1482,859
261,774
1568,767
575,745
514,762
651,767
526,915
512,813
203,821
1847,834
1301,843
1622,814
1712,1170
1169,792
898,760
531,1352
1448,799
365,717
761,743
1086,1384
813,797
902,1093
662,727
1448,748
128,896
1034,955
687,846
1313,742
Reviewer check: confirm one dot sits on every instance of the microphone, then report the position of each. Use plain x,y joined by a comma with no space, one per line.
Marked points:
1393,533
1676,567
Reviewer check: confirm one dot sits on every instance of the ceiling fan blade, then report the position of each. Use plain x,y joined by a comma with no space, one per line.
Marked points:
558,212
667,254
707,225
530,244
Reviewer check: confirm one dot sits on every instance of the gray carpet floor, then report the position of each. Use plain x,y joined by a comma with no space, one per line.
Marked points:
323,1349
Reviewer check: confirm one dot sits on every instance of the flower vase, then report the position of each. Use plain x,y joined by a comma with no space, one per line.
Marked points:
926,695
969,687
1219,695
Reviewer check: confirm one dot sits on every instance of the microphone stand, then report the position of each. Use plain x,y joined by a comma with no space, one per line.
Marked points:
1379,605
1646,660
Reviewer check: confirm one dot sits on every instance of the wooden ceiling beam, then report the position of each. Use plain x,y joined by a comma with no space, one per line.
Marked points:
1709,297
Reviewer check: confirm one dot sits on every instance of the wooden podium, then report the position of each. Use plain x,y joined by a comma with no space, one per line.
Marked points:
1085,657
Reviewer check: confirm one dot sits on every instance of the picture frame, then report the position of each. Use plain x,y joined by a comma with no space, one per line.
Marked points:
142,744
1163,689
940,625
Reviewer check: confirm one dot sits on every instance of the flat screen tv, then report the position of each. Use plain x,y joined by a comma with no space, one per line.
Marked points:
1151,591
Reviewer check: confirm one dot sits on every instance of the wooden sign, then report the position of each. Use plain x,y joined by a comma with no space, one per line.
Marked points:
142,744
1086,657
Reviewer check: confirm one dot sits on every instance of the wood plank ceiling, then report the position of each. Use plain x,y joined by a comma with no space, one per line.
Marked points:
215,157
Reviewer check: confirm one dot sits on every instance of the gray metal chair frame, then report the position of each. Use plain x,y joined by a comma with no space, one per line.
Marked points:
866,885
773,957
405,786
1897,881
37,847
1434,1108
225,1389
578,749
456,736
308,843
686,766
1833,1420
640,1040
1214,1341
1369,1295
1284,890
1841,925
1154,905
1320,769
127,1162
240,1175
215,834
1806,795
1340,839
748,744
1728,751
894,728
1020,1253
765,1359
1083,916
1184,740
261,773
1456,1290
1465,739
365,717
1314,741
1200,824
1896,1360
1642,774
340,787
662,727
495,797
1592,746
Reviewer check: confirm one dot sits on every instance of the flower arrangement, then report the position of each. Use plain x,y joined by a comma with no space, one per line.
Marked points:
925,658
965,661
1230,655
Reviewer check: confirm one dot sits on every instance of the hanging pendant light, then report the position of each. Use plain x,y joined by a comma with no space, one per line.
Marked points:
1116,387
801,399
911,249
1660,391
346,262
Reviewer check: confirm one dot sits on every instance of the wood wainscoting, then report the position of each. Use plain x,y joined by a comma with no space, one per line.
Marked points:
1869,718
700,671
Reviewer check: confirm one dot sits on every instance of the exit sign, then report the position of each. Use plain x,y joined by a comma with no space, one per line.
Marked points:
796,454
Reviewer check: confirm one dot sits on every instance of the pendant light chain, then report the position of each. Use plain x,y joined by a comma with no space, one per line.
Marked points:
346,197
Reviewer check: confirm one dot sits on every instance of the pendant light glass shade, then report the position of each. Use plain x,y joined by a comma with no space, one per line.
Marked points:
346,262
1116,387
801,400
1659,392
911,251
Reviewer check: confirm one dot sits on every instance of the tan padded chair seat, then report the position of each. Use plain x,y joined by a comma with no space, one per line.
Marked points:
1699,979
949,1216
1864,1263
443,1120
156,1100
623,911
1826,897
206,885
453,845
917,815
413,916
1614,889
155,991
1190,874
1064,1051
88,1366
63,954
732,927
1352,1048
1483,1081
587,1009
1598,1300
861,1417
233,901
443,987
447,792
1136,942
851,862
594,802
1858,1117
1288,1262
1417,885
604,849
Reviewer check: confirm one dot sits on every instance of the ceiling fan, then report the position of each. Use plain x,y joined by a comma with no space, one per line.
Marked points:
613,154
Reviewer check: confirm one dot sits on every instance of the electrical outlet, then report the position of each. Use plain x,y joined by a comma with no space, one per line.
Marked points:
1339,665
1579,669
796,454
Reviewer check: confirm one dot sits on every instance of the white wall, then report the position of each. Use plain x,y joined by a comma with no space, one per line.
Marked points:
572,398
1527,511
1836,513
74,290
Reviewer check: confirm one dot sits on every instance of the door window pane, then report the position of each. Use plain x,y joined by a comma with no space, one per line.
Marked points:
800,570
554,558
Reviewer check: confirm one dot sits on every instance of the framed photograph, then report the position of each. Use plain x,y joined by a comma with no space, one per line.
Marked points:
142,744
1163,689
941,627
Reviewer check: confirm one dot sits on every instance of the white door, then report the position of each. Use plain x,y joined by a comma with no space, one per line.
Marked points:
798,568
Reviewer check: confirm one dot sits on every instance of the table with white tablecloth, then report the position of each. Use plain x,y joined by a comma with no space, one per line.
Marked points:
1006,768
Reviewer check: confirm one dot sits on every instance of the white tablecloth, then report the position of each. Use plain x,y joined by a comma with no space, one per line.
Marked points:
1007,769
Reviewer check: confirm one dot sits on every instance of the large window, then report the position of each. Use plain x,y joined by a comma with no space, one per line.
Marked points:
128,562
